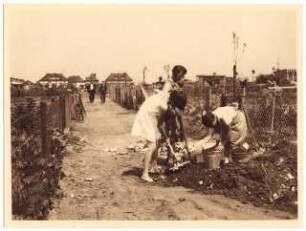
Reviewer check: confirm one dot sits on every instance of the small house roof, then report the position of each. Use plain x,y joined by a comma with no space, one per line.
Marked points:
92,77
53,77
119,77
75,79
16,81
28,82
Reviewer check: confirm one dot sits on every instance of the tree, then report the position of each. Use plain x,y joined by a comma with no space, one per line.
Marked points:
265,78
253,73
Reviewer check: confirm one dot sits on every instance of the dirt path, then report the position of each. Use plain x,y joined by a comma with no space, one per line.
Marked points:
94,186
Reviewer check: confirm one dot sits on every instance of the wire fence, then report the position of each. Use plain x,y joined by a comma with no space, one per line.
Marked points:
273,115
272,112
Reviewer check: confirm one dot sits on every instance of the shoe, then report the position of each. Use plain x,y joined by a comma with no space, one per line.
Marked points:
147,178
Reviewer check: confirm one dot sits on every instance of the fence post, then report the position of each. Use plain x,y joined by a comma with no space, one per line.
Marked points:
68,110
273,116
44,132
243,95
67,106
273,113
70,107
208,97
63,112
235,81
58,113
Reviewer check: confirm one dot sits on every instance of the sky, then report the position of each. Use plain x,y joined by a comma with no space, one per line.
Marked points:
101,39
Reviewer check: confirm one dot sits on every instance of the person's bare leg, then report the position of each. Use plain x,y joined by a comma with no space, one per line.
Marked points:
154,166
147,160
227,154
224,159
170,158
153,162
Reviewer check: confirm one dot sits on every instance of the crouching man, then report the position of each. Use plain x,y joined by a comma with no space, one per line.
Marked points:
230,124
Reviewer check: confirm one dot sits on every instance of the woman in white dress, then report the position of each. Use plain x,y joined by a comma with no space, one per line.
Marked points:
148,123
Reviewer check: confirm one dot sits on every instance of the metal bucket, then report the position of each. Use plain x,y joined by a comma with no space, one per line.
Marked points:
212,160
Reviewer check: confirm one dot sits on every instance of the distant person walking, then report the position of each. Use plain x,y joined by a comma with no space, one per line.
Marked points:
103,89
92,92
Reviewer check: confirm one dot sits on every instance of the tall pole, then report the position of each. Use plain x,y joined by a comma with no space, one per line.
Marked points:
144,74
235,41
167,68
272,117
235,81
236,51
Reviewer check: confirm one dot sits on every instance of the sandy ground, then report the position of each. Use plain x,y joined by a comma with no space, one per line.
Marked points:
97,185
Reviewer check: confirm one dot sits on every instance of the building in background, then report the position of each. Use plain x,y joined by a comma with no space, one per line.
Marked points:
91,78
53,80
29,85
282,77
116,83
16,81
118,78
211,79
17,87
285,76
76,81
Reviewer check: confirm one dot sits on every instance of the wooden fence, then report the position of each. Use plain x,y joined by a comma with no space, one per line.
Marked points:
128,95
37,125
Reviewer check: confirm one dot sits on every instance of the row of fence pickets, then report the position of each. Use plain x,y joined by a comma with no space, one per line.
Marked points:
36,166
43,115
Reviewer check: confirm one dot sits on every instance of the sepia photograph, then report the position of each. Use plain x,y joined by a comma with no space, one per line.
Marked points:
154,113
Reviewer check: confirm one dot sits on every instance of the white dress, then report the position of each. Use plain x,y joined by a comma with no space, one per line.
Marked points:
145,123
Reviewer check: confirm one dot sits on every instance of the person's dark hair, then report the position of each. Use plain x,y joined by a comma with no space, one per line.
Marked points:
178,99
176,70
208,119
223,100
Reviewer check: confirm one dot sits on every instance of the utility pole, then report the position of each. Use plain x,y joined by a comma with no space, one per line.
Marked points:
167,68
144,74
235,81
235,73
235,41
